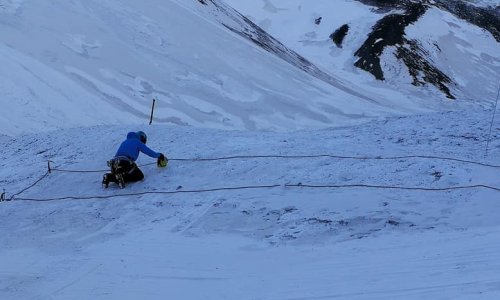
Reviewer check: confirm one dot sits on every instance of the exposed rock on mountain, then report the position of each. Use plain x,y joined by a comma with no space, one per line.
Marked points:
390,32
338,35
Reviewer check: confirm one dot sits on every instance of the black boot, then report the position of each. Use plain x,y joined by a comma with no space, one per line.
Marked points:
107,178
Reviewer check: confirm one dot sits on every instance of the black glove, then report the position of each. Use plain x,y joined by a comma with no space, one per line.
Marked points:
162,161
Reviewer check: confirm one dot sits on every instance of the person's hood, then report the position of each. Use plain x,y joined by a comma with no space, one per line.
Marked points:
132,135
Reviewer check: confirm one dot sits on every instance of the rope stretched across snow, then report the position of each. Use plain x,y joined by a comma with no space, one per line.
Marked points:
50,169
299,185
25,189
302,157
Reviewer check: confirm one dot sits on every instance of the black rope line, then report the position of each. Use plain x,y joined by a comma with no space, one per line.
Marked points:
29,187
91,171
300,157
492,120
50,169
464,187
79,171
299,185
340,157
150,193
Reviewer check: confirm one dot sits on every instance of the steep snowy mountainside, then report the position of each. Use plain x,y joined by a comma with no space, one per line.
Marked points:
467,54
431,49
70,63
270,243
247,29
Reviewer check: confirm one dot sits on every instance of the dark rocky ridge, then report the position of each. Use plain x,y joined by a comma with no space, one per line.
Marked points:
386,4
390,31
486,18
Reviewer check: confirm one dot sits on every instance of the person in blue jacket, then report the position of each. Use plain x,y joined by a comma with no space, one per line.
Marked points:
123,166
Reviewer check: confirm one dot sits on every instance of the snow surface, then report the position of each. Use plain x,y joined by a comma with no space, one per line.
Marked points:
107,60
76,76
270,243
485,3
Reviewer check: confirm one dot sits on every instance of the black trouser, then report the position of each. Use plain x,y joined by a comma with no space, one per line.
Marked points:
128,169
135,175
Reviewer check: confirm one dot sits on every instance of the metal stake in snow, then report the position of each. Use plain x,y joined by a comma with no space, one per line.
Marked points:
492,120
152,111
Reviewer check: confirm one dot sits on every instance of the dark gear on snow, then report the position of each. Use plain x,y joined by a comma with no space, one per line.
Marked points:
162,161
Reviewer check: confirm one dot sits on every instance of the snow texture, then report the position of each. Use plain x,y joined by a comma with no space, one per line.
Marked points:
269,243
107,60
273,217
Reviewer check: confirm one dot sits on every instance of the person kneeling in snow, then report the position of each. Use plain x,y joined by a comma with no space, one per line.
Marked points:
123,166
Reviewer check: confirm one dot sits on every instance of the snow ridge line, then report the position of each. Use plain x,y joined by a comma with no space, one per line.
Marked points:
299,185
298,157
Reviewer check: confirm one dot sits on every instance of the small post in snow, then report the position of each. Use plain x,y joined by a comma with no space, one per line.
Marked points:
152,111
492,120
48,167
2,197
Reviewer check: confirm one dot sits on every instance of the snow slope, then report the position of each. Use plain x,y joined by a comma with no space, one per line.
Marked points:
281,221
263,243
102,62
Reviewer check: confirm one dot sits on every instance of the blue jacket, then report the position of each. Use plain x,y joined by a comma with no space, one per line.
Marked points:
132,146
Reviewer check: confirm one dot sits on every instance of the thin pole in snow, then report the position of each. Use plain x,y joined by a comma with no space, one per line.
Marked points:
152,111
492,120
49,169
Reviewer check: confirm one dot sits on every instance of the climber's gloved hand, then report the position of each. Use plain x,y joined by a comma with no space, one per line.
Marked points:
162,161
